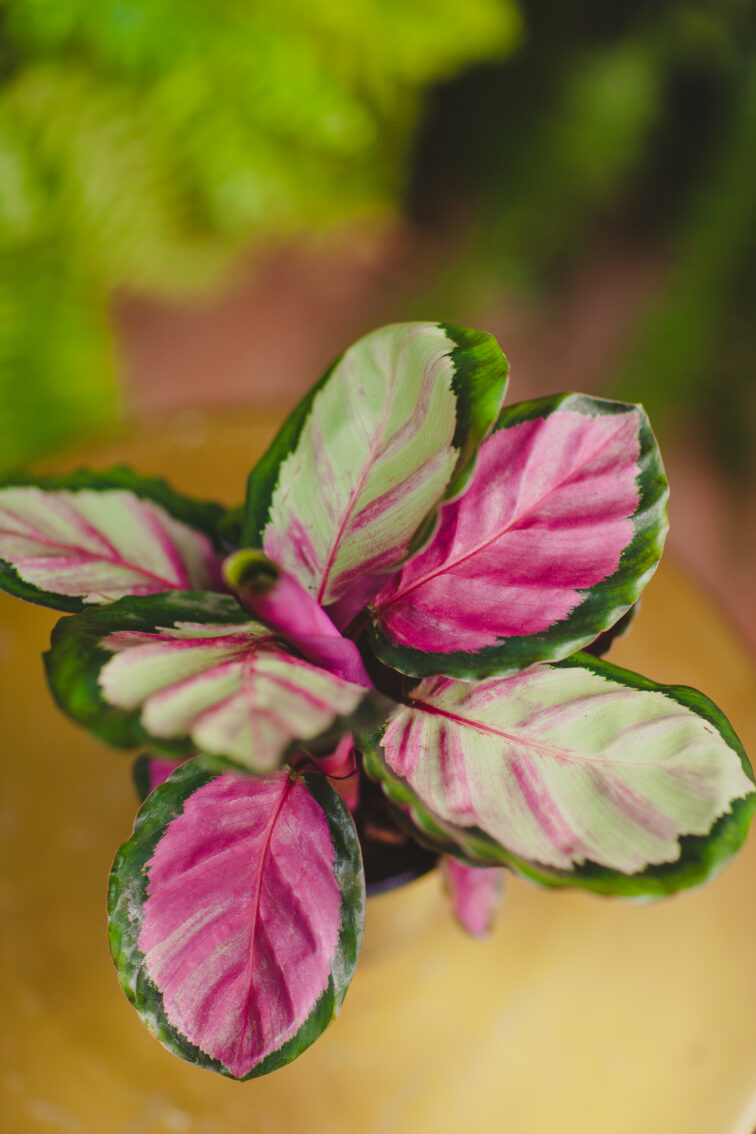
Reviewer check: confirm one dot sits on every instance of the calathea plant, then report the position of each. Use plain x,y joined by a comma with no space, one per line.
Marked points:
409,598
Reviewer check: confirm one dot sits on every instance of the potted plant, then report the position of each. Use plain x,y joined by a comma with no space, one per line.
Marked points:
407,599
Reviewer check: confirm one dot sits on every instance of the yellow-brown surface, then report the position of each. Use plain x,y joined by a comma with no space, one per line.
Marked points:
579,1016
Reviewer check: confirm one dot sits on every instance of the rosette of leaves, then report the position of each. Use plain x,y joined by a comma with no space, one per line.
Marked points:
408,594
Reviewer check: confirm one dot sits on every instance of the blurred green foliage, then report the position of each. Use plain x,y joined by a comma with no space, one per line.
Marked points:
144,143
626,122
695,346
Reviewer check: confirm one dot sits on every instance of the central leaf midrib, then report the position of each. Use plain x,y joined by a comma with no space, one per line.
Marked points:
267,839
354,496
117,560
541,747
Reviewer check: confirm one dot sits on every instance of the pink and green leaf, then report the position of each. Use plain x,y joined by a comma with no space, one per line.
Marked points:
236,915
91,538
352,483
184,673
575,773
475,893
554,540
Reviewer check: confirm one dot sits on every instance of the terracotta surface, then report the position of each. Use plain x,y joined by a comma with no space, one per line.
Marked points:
579,1015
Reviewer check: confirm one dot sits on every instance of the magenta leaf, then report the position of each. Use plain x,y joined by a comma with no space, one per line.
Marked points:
560,530
91,538
184,673
574,773
352,483
475,893
236,915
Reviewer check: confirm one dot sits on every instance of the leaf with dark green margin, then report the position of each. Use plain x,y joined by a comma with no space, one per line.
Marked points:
187,672
236,915
89,538
573,774
352,483
557,535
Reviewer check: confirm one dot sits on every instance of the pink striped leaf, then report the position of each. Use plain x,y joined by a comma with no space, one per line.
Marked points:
91,538
574,773
560,530
475,893
184,673
236,915
352,483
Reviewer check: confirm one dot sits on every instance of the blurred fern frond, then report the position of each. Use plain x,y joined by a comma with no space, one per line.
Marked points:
145,143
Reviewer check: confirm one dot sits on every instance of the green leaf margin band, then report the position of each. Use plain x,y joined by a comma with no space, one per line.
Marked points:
127,893
701,856
75,659
614,595
203,515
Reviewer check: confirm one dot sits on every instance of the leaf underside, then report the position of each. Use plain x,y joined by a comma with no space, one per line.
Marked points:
475,893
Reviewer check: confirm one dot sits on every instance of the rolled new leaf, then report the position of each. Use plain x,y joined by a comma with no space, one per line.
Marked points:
90,538
184,673
576,773
283,604
353,481
558,533
236,915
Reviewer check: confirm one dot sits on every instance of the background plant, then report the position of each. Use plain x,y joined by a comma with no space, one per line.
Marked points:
144,145
623,125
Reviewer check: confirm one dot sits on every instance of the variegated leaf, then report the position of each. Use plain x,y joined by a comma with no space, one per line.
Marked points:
91,538
236,915
575,773
352,482
475,893
185,672
560,530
